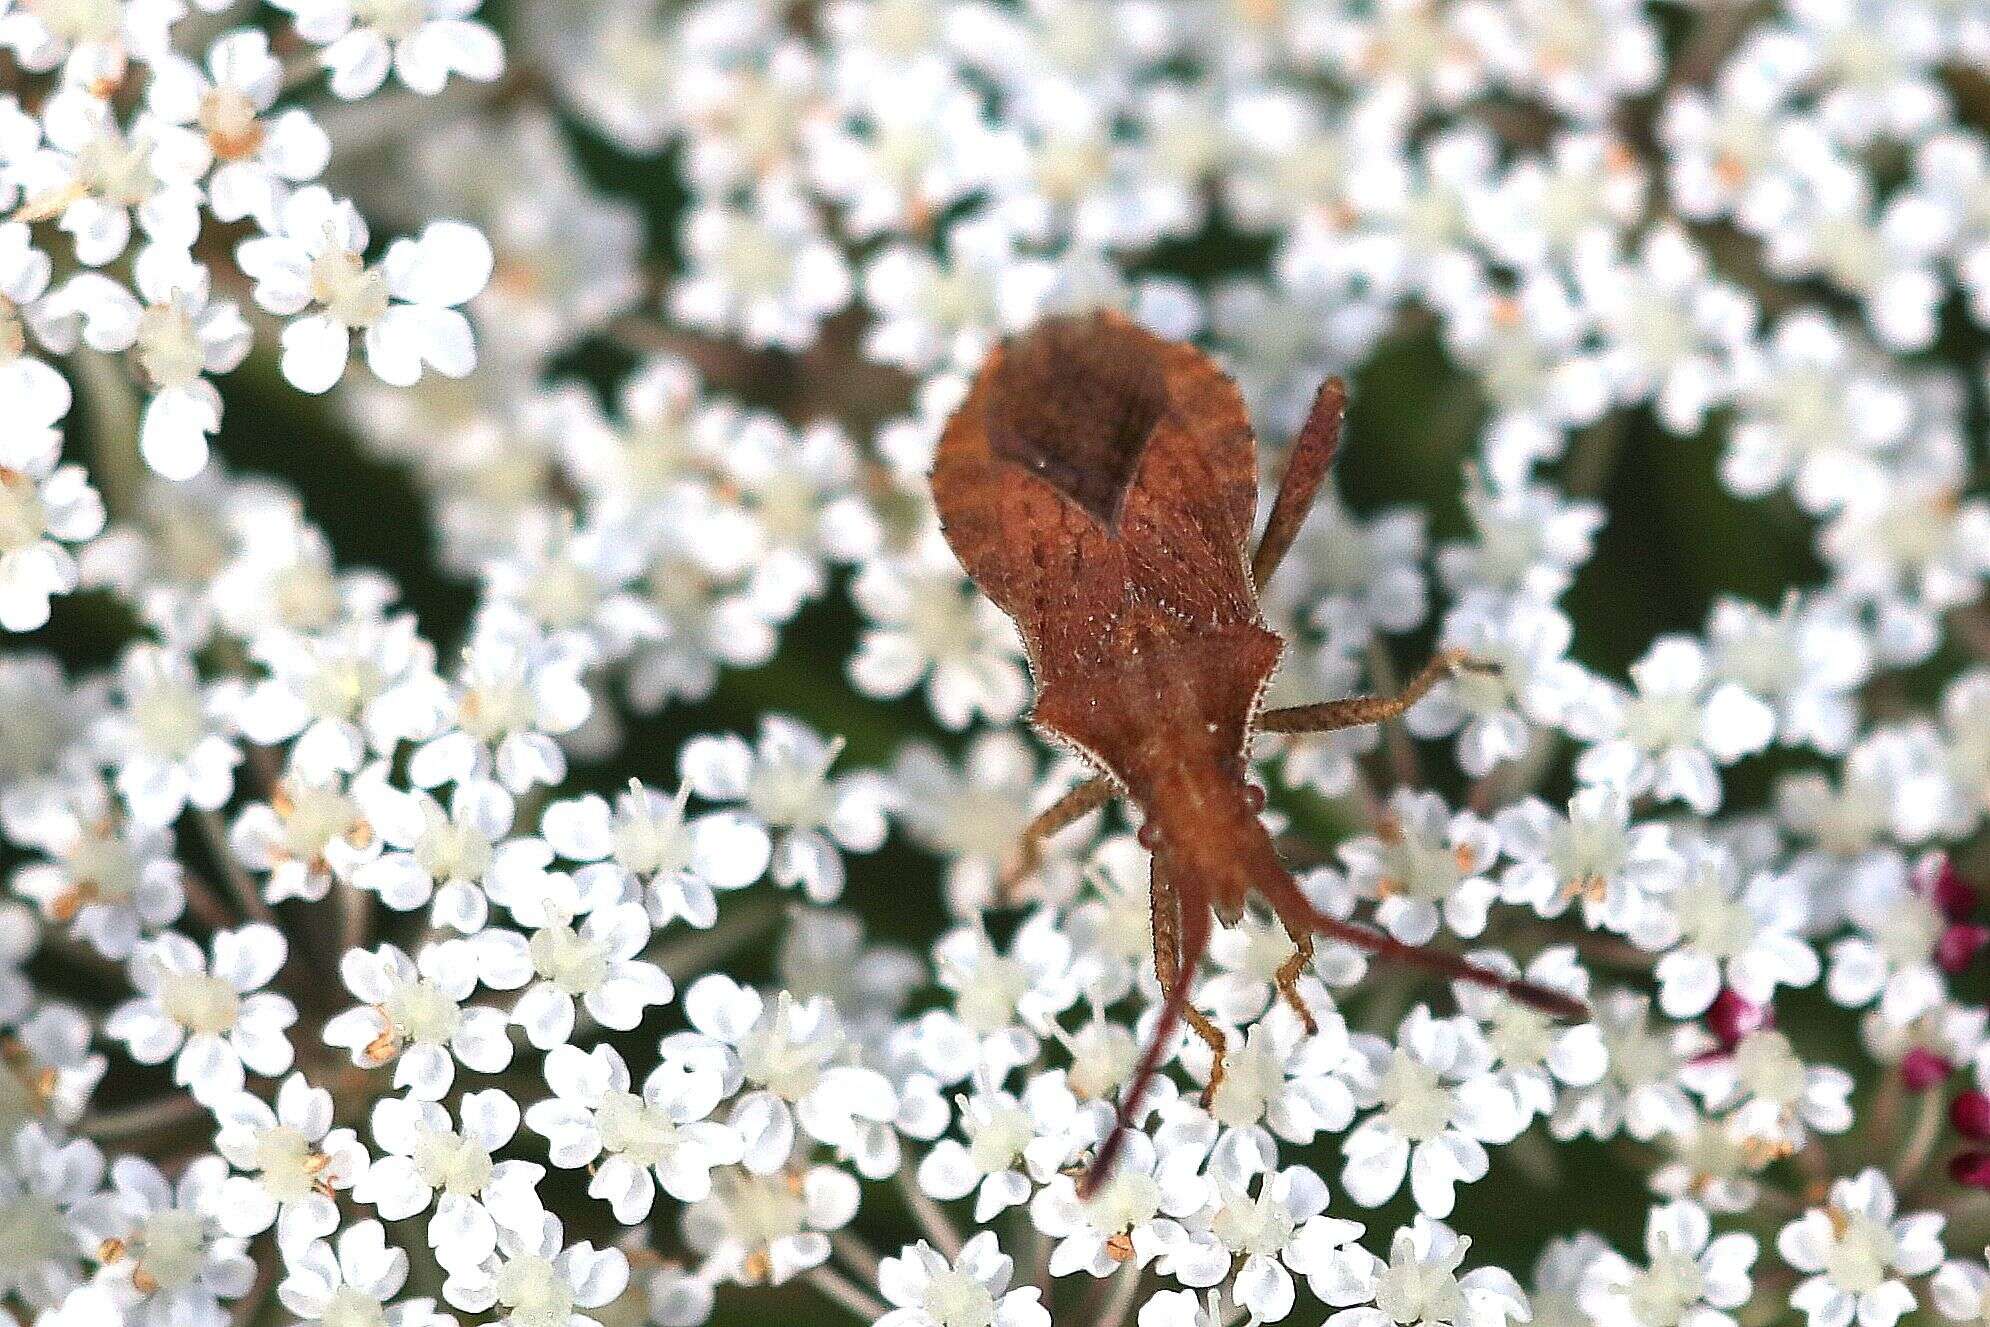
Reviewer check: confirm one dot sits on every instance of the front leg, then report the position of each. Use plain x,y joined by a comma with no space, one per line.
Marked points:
1067,810
1287,979
1166,904
1359,711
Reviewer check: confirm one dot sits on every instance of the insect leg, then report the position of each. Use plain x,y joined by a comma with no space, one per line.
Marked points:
1287,979
1306,465
1087,797
1194,939
1359,711
1166,904
1299,915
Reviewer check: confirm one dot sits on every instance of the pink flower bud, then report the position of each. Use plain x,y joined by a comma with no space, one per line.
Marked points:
1922,1069
1733,1016
1970,1114
1971,1168
1950,892
1958,946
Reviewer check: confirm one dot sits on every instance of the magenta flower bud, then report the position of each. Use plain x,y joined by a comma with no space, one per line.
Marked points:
1959,944
1970,1114
1732,1016
1922,1069
1950,892
1971,1168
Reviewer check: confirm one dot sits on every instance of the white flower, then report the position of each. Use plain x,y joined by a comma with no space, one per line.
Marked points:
1435,1103
767,1229
352,1280
1815,410
795,1057
111,881
1961,1290
1667,735
314,271
1618,870
1356,576
349,687
784,780
1529,351
51,1191
444,855
971,1290
213,1013
975,816
767,274
413,1014
176,336
423,1160
1734,928
309,832
1132,1218
166,736
1859,1254
292,1160
1528,541
422,41
1419,1286
998,998
1806,660
95,175
1525,680
1426,864
1670,330
645,843
1689,1277
1641,1092
44,505
582,952
1533,1055
170,1263
1280,1080
516,692
538,1280
1282,1226
257,157
929,622
633,1143
1773,1096
1009,1143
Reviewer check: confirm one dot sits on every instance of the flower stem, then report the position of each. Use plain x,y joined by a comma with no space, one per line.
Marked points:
145,1117
110,403
240,883
1125,1289
932,1218
1913,1158
833,1285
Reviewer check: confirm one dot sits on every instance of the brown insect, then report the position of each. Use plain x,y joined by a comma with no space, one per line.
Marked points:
1099,484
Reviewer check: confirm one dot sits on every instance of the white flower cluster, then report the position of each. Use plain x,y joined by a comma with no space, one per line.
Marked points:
391,972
